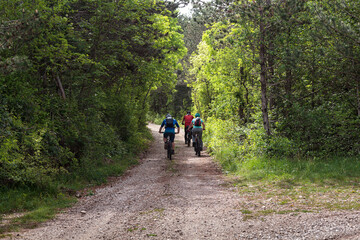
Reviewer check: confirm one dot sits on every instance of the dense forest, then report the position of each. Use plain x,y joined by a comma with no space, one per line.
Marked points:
279,78
75,80
79,79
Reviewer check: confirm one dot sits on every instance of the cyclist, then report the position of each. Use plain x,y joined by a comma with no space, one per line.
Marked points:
187,120
169,123
198,126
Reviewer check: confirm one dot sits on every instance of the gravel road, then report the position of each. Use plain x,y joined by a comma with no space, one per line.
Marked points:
186,198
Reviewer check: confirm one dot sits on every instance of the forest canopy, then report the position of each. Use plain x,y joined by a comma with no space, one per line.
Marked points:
75,76
279,78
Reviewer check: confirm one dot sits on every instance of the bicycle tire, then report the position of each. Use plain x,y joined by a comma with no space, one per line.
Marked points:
169,149
188,140
197,146
198,150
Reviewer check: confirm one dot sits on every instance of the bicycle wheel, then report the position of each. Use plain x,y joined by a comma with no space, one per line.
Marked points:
169,150
188,139
196,145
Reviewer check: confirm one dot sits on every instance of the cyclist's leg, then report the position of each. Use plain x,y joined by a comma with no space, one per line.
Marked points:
165,139
195,131
165,136
185,132
193,135
200,137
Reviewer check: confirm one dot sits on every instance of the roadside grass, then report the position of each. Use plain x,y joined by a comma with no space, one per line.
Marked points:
39,205
273,185
26,206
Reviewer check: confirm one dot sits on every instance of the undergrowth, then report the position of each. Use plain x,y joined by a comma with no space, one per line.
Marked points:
282,186
26,206
272,170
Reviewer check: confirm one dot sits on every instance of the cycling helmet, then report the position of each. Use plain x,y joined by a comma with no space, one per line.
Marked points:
197,115
168,115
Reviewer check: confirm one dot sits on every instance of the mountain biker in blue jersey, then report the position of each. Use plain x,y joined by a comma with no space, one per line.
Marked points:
198,126
169,123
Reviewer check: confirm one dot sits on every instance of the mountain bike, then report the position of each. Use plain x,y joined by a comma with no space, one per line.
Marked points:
169,150
197,146
188,137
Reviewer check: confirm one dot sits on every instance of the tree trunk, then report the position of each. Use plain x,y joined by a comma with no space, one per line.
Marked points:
243,78
273,90
270,34
358,97
147,94
60,86
263,76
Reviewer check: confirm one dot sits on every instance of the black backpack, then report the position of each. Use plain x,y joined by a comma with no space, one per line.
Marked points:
169,122
198,122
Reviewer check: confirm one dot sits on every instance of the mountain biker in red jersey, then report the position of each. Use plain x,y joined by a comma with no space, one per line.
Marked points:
187,119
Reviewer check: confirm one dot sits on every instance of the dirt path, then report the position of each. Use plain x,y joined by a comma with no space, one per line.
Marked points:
183,199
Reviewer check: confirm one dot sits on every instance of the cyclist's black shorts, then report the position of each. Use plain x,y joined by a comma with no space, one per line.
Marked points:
172,136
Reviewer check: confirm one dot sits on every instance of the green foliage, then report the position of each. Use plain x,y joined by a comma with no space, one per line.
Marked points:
155,118
325,130
291,59
75,77
335,169
35,204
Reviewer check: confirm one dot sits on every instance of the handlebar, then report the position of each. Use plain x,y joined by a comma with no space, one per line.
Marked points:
190,130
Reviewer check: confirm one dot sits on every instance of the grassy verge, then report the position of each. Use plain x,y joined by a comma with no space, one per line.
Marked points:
286,185
26,206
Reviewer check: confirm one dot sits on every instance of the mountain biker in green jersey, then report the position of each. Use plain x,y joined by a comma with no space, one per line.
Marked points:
169,123
198,126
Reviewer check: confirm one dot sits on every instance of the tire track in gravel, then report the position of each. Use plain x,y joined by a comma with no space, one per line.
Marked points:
185,198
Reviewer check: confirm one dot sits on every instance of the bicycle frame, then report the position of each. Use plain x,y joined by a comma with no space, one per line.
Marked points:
169,149
197,145
188,137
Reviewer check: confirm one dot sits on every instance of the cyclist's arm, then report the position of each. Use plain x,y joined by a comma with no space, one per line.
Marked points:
162,125
178,127
182,122
203,124
190,126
